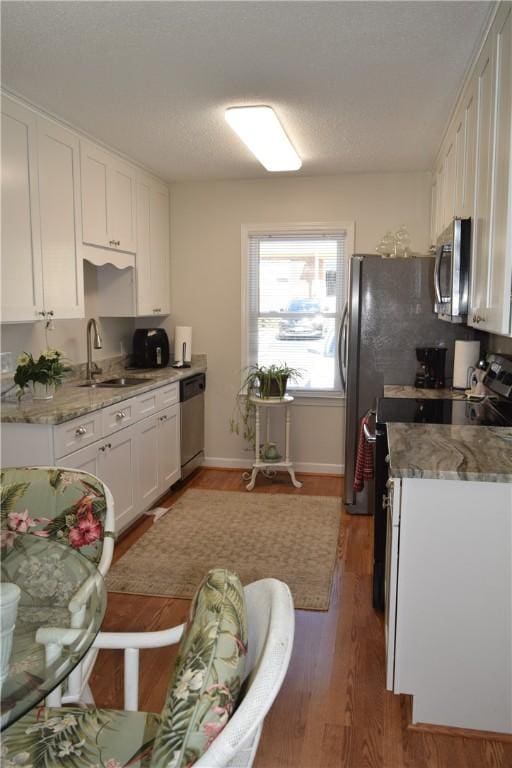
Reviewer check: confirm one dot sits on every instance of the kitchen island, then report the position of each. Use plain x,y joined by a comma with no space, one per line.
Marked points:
448,573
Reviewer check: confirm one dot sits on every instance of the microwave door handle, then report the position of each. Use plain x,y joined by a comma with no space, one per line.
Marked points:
437,277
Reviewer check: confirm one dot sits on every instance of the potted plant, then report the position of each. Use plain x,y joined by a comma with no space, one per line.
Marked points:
44,373
259,381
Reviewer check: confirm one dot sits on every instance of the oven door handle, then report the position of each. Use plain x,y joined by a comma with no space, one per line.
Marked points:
367,434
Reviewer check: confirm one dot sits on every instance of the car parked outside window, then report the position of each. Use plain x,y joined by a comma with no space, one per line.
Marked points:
308,325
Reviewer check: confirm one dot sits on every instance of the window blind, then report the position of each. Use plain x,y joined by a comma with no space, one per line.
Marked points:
296,284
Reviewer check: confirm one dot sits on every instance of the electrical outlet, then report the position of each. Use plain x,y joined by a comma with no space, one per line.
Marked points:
6,365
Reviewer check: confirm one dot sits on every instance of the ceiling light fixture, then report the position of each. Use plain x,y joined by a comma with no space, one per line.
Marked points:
260,129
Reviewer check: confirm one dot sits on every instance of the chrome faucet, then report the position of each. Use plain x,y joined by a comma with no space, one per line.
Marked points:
92,367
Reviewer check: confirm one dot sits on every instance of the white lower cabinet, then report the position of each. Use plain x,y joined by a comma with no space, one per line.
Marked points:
449,593
169,446
114,460
139,462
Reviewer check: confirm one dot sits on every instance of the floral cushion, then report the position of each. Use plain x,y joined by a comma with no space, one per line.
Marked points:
208,673
65,505
82,738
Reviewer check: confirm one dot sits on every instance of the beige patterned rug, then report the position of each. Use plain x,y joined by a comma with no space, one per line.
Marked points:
292,538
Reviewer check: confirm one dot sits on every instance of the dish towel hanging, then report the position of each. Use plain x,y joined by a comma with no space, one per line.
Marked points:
364,460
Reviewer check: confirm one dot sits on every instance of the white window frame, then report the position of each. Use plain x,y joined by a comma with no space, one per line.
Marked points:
302,396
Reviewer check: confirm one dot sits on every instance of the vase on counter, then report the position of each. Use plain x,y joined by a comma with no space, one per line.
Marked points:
42,391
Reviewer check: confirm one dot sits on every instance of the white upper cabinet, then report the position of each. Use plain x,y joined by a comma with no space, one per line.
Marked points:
22,282
152,260
473,177
59,201
481,240
108,200
500,273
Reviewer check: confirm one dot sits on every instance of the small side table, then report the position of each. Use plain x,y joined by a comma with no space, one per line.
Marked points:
269,466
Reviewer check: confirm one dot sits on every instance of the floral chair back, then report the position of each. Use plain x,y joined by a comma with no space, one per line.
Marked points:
68,506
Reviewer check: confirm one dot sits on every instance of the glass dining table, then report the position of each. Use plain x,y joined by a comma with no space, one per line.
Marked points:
60,589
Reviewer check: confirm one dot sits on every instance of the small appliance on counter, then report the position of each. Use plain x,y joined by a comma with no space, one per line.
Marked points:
430,374
150,348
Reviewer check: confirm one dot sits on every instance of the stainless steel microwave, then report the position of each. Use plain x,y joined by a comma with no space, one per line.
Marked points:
451,272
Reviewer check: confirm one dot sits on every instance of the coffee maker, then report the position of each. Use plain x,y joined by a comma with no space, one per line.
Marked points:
430,373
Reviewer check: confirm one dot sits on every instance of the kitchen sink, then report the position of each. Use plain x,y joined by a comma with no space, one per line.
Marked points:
117,383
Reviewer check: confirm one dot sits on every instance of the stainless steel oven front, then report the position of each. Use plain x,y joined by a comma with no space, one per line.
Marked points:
451,273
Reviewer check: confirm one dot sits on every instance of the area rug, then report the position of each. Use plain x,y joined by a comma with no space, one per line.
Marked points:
288,537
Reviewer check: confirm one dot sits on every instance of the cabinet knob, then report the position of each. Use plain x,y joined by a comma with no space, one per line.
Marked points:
163,418
118,243
80,431
120,415
40,313
111,242
157,309
50,312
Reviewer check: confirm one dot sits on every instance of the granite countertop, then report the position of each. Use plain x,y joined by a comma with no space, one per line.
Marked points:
398,390
449,452
71,400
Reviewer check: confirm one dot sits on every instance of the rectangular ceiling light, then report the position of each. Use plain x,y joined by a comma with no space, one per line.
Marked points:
260,129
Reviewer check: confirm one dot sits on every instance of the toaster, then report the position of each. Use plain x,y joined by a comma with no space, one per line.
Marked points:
150,348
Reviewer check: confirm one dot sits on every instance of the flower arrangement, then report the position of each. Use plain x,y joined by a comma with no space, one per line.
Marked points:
48,369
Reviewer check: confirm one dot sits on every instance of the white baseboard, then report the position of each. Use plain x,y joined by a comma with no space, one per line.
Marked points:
324,469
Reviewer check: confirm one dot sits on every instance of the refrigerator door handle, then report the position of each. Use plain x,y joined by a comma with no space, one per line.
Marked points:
342,348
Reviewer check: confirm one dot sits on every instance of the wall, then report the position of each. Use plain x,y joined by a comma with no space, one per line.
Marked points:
206,218
69,335
500,344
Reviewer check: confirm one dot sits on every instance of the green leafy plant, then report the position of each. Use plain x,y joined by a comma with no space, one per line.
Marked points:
48,368
259,381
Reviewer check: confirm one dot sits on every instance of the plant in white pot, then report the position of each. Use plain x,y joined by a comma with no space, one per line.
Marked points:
259,381
45,373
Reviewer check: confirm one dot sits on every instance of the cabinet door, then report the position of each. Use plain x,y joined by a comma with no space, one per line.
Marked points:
440,198
500,267
95,202
152,259
159,247
87,459
468,192
449,184
148,461
481,240
169,447
460,166
145,301
122,220
119,470
22,285
59,201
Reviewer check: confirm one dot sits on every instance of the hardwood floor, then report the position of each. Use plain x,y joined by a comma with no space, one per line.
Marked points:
333,710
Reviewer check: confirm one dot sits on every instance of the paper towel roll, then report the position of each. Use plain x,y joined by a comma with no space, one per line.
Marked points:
182,336
467,354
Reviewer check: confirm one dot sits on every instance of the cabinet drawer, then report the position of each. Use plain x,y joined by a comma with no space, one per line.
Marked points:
147,403
76,434
168,395
120,415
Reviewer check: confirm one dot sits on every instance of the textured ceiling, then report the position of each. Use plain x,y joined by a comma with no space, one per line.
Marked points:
359,86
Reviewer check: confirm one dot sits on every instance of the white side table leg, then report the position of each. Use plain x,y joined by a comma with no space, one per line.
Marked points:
251,482
291,470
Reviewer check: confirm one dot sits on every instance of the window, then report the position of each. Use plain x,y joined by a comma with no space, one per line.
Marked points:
295,288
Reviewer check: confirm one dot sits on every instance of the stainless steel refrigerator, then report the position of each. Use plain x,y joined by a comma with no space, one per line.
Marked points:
389,312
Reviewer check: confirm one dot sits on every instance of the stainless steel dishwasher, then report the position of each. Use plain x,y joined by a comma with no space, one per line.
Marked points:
192,423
